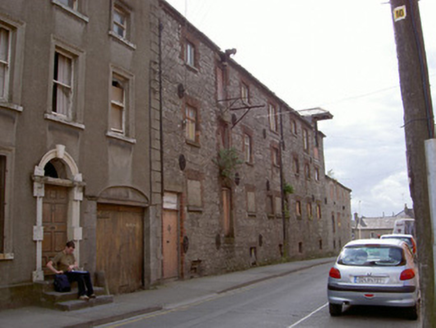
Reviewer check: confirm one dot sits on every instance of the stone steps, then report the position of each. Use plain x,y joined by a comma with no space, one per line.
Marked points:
68,301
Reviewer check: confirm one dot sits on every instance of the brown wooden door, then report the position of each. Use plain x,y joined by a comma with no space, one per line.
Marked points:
120,247
170,245
54,220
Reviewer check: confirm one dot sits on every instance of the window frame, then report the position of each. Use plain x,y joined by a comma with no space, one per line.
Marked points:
6,236
4,92
13,84
272,118
127,80
306,142
191,122
60,86
245,92
190,54
248,148
126,38
75,113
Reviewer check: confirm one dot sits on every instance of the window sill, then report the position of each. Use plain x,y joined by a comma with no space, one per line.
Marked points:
193,143
192,68
11,106
122,40
71,11
6,256
195,209
59,119
118,136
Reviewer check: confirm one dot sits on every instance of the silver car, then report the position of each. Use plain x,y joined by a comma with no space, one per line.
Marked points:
379,272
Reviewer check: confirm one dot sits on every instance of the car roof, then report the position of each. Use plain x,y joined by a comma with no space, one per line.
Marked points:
383,242
394,235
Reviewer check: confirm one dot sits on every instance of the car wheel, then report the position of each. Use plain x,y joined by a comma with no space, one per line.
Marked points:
335,309
412,312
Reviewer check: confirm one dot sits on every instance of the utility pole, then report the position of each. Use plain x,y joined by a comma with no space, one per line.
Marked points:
419,127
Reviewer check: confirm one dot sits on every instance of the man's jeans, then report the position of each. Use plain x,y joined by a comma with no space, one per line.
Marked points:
83,279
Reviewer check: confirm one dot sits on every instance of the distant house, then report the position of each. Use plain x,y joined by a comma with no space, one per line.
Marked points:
374,227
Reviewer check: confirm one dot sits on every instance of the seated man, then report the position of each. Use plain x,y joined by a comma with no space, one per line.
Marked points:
65,262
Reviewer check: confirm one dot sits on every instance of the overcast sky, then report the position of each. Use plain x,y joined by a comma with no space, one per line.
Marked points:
339,55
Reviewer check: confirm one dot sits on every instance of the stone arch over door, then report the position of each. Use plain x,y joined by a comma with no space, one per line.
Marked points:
71,179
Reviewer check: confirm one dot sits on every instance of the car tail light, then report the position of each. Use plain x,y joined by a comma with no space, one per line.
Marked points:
407,274
335,273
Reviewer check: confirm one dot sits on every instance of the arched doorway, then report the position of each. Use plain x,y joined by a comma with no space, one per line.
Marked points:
58,190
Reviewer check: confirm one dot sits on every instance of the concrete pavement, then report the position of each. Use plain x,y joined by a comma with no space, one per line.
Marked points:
166,296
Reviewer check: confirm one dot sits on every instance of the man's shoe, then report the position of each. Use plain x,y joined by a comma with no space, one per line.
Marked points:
84,298
92,296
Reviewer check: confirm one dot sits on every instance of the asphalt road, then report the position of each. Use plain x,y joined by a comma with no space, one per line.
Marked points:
295,300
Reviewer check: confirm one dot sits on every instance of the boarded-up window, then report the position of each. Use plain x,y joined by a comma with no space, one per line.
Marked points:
227,216
117,106
194,193
220,91
251,202
277,205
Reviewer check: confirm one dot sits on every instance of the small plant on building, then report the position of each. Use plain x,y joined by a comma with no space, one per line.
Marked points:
227,162
287,190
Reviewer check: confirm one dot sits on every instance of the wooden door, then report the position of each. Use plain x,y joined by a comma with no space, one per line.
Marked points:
120,246
54,221
169,244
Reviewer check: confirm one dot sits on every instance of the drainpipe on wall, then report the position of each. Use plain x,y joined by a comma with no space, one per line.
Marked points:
282,193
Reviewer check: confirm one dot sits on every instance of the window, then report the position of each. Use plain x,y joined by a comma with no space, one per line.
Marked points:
272,116
2,200
270,205
251,202
296,166
190,54
195,200
11,63
294,127
69,3
248,152
333,223
275,156
245,95
5,47
220,91
119,26
309,210
317,174
227,215
191,124
121,112
298,209
318,211
62,85
305,140
307,171
118,105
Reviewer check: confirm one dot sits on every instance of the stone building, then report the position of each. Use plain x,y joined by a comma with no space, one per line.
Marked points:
221,215
126,129
77,156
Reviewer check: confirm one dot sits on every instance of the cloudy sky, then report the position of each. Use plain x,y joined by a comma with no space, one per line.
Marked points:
339,55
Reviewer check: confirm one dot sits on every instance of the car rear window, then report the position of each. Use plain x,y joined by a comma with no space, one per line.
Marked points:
372,255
